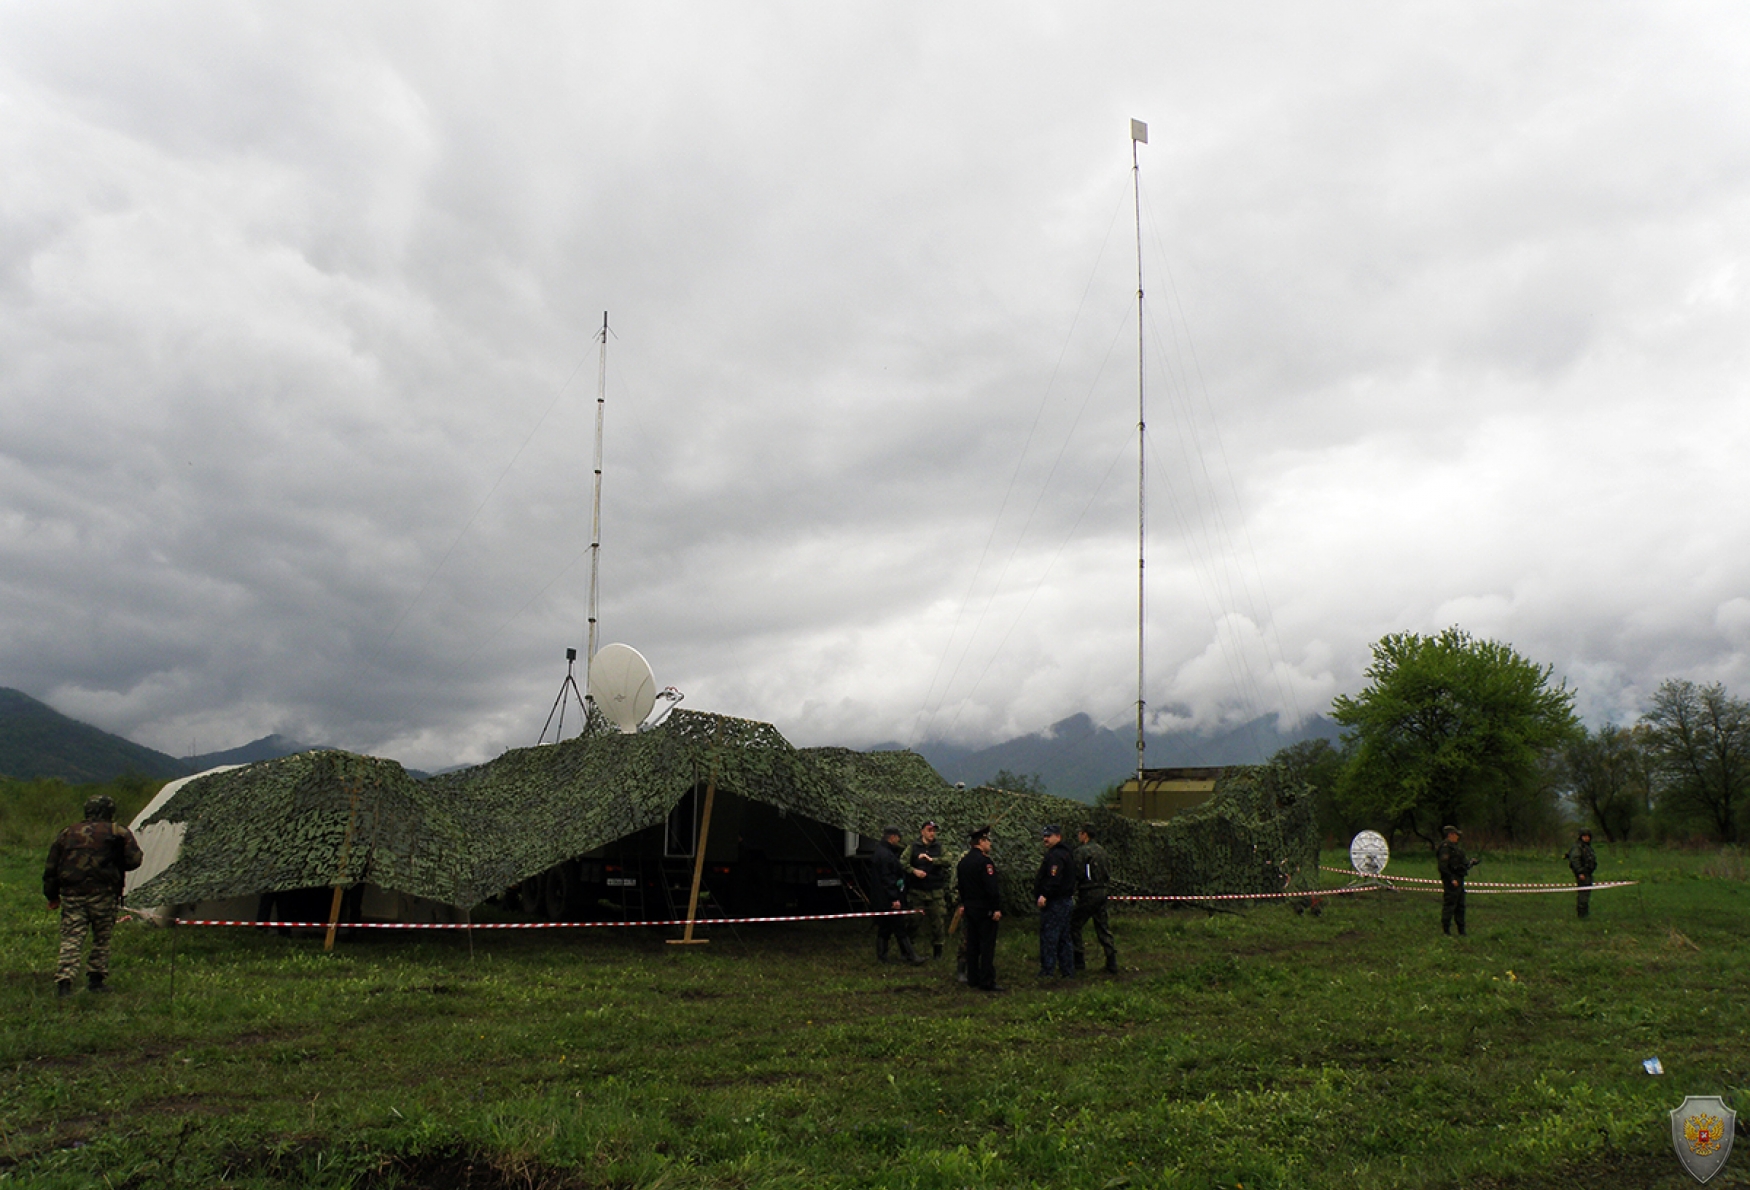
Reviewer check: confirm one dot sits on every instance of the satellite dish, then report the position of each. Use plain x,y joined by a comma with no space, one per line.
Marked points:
621,684
1369,853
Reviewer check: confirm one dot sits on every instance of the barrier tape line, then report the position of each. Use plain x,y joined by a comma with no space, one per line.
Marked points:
1553,888
1311,892
1471,884
538,925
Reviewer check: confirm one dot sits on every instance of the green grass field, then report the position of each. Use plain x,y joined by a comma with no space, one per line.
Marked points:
1255,1048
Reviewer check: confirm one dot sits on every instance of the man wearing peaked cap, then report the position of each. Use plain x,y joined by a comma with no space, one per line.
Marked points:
981,897
1054,891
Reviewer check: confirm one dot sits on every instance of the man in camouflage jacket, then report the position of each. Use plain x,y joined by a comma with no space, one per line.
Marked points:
1092,875
1582,862
1450,859
87,866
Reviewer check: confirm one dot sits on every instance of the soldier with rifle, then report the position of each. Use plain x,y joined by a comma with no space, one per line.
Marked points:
1449,857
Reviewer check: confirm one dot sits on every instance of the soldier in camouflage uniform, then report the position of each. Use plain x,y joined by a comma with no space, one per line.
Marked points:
83,879
928,884
1091,878
1582,862
1449,857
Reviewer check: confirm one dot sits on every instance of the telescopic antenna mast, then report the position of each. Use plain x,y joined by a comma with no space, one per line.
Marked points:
1139,136
595,530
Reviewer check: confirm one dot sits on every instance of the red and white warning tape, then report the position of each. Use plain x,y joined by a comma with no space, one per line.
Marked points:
540,925
1304,893
1479,885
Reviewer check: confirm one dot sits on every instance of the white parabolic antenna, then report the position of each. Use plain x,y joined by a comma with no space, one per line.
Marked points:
1369,853
621,684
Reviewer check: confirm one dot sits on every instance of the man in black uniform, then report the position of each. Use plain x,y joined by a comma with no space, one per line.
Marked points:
1582,862
890,894
1449,857
1054,891
981,898
1091,878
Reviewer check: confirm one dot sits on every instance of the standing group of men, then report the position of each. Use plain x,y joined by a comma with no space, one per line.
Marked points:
1070,890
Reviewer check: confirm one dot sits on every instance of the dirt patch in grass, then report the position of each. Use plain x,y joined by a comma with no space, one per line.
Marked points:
456,1170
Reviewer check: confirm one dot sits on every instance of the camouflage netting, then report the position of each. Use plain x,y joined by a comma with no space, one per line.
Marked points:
465,836
532,808
284,824
1255,829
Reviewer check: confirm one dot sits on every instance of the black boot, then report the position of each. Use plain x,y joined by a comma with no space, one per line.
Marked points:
1112,963
94,983
907,953
881,948
935,952
63,988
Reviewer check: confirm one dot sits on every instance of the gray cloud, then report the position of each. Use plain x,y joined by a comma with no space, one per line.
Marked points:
1447,325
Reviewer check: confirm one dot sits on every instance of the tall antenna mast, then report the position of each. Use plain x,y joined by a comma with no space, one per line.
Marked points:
1139,136
595,531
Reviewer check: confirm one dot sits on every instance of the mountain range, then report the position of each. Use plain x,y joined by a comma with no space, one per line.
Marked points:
1076,758
38,741
1073,757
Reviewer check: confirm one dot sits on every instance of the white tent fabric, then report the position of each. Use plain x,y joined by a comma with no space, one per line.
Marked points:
162,841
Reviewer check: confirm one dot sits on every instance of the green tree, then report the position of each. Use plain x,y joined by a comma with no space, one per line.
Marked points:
1698,748
1016,782
1319,765
1607,776
1451,729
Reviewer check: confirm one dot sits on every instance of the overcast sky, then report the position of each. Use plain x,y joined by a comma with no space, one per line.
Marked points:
1446,324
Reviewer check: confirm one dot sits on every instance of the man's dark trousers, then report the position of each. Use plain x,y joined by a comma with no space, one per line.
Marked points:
1055,946
981,950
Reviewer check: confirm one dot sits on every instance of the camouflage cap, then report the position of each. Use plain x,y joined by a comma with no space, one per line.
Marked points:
100,806
1449,830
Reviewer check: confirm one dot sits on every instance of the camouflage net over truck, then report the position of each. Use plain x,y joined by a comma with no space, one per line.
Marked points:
462,837
1255,834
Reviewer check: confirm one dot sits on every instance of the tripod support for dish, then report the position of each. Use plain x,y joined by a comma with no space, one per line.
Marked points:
567,691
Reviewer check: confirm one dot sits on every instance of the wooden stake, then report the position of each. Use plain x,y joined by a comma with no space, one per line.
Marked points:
340,876
687,939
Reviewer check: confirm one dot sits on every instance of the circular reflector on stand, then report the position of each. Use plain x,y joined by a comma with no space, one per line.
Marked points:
621,684
1369,853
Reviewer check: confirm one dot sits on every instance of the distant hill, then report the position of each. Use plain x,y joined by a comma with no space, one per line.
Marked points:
38,741
268,747
1075,758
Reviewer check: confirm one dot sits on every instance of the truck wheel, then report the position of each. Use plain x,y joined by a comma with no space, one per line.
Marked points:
556,892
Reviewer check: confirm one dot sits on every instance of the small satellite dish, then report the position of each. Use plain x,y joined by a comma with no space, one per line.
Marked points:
1369,853
622,685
